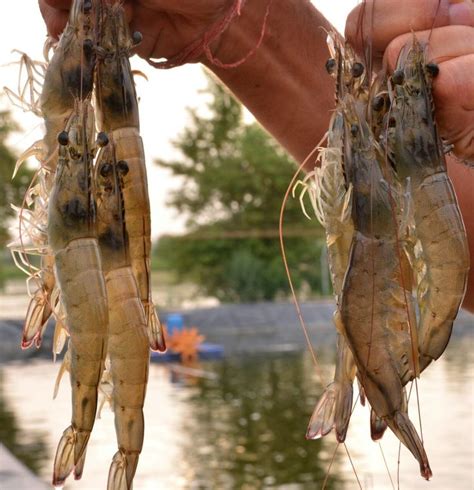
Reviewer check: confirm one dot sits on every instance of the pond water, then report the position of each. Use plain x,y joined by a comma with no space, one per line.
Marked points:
243,427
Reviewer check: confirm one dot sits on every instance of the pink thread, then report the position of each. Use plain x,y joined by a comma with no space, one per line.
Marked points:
202,45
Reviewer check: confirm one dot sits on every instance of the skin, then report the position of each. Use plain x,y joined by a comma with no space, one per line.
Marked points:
291,95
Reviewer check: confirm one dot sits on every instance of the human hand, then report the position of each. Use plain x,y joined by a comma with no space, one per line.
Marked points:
389,25
167,26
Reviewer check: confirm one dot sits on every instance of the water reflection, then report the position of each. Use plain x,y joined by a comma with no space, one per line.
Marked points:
29,447
249,426
244,428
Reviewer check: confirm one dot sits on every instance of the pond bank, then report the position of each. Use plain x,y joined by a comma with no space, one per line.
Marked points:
240,328
14,475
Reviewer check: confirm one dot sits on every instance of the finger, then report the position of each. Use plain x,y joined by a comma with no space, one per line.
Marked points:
445,43
381,21
55,19
58,4
453,92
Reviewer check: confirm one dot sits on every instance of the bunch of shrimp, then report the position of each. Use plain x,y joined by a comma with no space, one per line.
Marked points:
390,213
89,219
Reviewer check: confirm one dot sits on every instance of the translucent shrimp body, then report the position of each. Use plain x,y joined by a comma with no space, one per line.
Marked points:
332,204
128,348
72,237
117,110
331,198
439,237
377,314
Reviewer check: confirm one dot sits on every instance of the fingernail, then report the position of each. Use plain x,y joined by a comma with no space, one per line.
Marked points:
461,13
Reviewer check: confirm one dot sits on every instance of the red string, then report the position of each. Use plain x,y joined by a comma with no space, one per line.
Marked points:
202,46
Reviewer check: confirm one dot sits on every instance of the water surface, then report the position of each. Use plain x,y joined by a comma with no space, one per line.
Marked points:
245,428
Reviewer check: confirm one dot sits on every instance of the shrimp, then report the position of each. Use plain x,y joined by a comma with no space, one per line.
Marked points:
128,348
331,200
439,238
72,237
376,312
117,112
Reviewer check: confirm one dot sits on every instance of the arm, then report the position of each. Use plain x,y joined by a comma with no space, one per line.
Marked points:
284,84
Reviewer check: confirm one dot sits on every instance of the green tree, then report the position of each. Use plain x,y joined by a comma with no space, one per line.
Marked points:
11,191
235,177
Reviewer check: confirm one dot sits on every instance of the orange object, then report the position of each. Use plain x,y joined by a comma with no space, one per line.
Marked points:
186,343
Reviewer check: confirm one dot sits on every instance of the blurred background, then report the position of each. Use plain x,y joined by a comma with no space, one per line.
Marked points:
229,405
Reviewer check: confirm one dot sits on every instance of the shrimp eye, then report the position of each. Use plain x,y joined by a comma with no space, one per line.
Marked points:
357,70
87,6
433,69
398,77
102,139
123,167
330,65
88,46
392,122
63,138
137,37
378,103
354,129
105,170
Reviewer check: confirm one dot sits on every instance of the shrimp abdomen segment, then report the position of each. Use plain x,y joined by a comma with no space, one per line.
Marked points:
79,274
377,329
446,256
375,322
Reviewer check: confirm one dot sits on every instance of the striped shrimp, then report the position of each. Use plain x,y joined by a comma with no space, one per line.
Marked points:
128,348
376,311
441,256
117,112
72,237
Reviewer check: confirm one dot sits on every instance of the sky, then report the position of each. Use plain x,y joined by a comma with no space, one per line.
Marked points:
163,98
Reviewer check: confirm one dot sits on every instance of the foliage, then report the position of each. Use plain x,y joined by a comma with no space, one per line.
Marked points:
11,191
235,177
